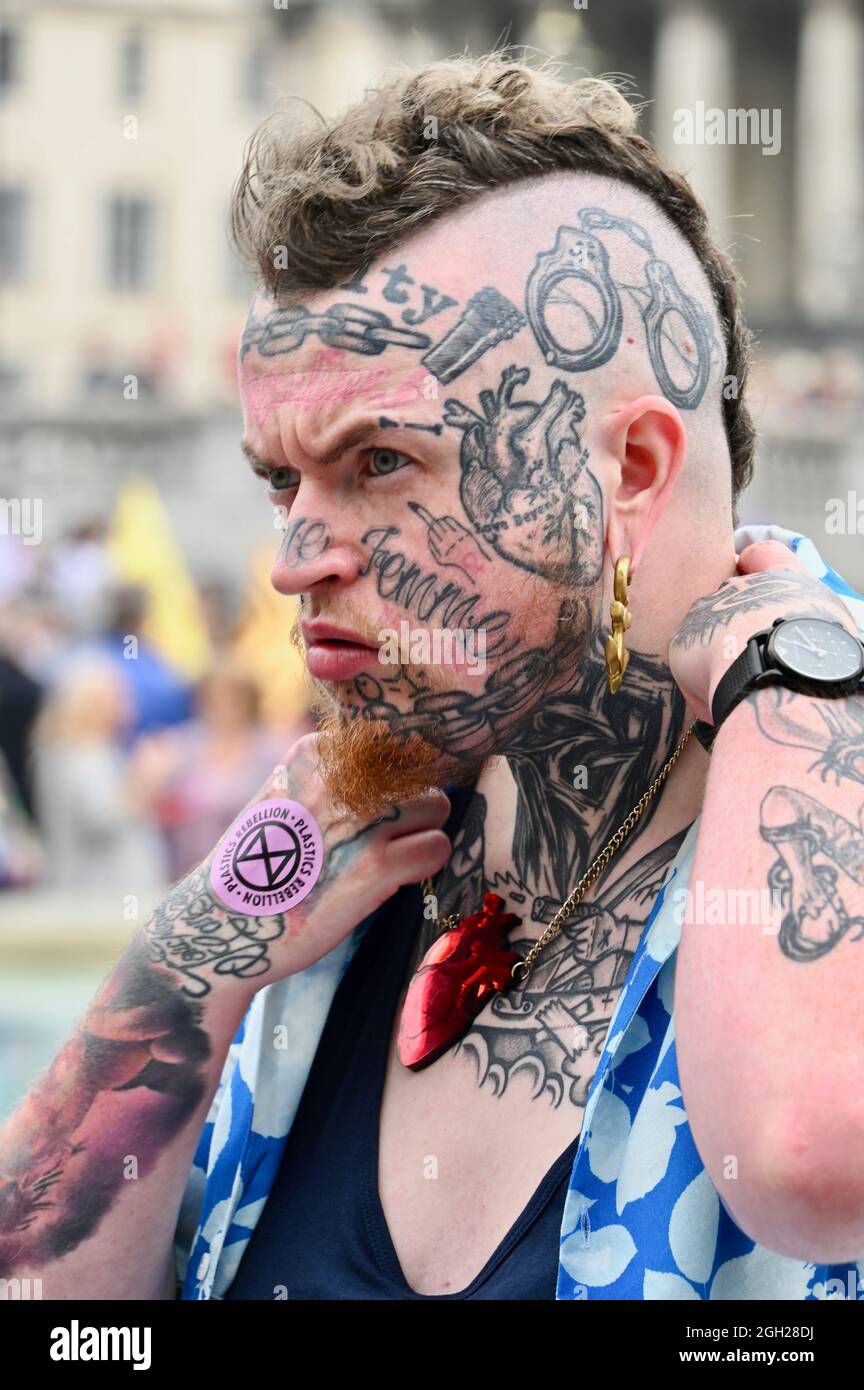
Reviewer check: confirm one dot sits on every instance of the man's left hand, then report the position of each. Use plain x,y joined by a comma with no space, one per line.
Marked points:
771,583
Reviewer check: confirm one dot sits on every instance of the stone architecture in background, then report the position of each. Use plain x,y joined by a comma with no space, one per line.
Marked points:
123,305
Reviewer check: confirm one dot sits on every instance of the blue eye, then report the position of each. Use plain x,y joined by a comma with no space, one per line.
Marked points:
280,479
383,461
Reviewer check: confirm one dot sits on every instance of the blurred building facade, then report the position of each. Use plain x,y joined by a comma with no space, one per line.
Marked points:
122,126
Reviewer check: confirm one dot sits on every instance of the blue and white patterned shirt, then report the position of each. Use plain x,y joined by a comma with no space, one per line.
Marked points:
642,1219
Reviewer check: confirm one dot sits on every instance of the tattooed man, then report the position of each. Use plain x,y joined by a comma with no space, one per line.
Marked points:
488,358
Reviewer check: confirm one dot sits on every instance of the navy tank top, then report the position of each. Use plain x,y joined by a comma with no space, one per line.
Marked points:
322,1233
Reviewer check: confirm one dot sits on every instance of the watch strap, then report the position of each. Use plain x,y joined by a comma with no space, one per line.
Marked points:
743,677
731,689
738,680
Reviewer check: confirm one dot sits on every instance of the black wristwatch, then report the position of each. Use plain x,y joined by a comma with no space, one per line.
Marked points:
810,655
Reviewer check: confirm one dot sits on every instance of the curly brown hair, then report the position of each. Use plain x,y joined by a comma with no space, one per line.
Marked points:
315,204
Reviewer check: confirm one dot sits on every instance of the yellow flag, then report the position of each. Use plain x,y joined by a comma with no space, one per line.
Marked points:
263,644
144,551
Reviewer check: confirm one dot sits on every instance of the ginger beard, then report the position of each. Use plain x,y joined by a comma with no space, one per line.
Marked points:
368,765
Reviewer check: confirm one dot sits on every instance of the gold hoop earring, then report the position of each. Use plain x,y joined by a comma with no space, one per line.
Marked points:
617,655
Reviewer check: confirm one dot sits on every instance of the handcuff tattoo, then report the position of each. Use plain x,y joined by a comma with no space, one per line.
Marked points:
576,274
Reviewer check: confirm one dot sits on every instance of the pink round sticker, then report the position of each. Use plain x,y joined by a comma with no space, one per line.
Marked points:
269,860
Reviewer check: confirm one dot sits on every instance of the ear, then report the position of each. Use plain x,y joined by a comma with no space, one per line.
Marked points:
650,442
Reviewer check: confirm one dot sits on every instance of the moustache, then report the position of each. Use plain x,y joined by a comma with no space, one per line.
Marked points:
423,676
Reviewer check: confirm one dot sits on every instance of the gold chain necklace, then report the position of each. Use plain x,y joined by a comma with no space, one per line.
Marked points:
470,961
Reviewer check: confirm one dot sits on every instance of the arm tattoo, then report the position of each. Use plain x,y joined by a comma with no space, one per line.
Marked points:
718,609
803,830
196,937
63,1167
814,914
199,939
58,1179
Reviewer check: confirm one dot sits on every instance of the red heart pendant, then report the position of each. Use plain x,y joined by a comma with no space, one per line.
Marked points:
455,978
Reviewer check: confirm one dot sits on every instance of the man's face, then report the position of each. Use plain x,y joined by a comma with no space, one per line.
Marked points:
442,525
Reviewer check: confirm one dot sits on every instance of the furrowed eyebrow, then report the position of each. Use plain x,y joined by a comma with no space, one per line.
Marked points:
350,439
254,460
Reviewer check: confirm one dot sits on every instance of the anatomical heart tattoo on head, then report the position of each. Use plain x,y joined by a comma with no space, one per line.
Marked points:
524,481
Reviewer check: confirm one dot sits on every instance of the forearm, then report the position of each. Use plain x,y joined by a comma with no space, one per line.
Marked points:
770,974
94,1164
94,1161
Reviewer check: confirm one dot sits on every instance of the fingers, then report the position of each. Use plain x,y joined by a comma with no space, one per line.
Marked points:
420,813
441,535
422,512
299,759
411,858
767,555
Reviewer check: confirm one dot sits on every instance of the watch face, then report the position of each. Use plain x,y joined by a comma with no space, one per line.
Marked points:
816,649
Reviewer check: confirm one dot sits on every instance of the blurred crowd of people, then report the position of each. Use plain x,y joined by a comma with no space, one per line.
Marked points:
799,383
117,772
